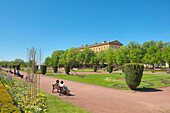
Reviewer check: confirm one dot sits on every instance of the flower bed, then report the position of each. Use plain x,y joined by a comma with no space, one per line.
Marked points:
17,90
6,102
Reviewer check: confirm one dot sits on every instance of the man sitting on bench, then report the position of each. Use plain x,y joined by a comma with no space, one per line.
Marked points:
19,74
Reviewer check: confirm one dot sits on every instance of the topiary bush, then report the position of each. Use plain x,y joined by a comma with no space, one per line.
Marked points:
67,68
95,68
13,66
133,74
43,69
35,68
110,69
18,67
55,68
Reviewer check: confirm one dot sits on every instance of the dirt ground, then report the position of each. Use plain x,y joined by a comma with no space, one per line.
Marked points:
99,99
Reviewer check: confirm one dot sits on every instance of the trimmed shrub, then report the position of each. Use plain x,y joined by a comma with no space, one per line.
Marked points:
35,68
94,68
123,68
55,68
133,74
43,69
5,66
110,69
67,68
18,67
13,66
10,66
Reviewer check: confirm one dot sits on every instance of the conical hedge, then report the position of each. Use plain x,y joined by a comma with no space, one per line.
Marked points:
110,69
35,68
95,68
43,69
133,74
67,68
55,68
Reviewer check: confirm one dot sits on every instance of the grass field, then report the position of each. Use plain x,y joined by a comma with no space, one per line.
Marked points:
111,80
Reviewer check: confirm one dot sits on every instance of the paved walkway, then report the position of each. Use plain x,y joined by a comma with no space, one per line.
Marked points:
99,99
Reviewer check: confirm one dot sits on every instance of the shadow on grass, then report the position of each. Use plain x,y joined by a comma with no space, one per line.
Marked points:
147,90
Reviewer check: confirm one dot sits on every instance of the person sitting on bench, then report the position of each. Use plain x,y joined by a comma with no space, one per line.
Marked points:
19,74
56,85
64,88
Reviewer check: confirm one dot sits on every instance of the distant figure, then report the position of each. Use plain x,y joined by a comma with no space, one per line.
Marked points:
15,72
19,74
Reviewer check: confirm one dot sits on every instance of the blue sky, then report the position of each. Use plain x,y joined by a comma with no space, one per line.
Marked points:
61,24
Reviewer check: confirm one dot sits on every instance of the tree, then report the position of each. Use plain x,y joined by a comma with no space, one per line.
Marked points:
122,56
152,56
166,54
101,57
18,61
136,56
80,57
62,58
88,54
110,56
71,56
47,61
55,56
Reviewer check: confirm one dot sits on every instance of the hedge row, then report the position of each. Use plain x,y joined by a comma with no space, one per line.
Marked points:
6,102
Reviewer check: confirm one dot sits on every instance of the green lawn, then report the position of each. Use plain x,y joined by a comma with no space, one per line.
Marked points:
110,80
57,105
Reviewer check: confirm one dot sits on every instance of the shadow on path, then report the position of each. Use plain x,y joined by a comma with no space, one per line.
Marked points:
147,90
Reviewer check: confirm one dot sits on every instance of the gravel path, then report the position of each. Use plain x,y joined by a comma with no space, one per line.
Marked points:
99,99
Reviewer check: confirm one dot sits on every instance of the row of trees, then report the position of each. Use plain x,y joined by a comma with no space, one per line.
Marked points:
152,52
15,62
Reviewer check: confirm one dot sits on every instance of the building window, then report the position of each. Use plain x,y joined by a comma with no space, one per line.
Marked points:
115,47
107,46
104,47
101,47
96,48
93,49
112,46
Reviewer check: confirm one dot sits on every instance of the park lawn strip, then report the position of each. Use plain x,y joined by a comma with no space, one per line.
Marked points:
57,105
110,80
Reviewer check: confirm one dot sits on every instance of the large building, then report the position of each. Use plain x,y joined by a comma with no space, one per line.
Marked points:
102,46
